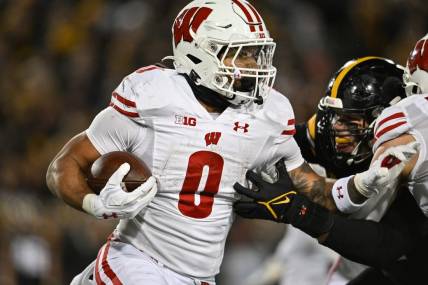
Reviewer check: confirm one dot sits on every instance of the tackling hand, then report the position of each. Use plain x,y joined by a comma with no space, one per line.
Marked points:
113,202
385,169
270,200
276,202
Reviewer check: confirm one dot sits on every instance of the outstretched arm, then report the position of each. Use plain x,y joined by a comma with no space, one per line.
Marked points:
372,243
392,161
313,186
401,230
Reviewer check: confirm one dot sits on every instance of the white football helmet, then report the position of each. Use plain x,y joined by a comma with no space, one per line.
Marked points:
205,33
416,74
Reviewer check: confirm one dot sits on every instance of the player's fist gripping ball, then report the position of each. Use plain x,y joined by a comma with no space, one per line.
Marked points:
103,168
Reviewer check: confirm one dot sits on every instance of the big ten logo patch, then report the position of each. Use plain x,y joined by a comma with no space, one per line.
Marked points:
185,120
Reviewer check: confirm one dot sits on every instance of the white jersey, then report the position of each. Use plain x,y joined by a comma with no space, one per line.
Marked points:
409,116
195,158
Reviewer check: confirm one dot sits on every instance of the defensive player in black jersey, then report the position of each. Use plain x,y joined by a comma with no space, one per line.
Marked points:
339,137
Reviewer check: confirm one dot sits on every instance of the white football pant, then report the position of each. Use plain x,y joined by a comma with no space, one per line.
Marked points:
120,263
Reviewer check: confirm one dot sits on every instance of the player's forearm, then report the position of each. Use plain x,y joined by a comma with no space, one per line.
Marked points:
66,179
315,187
321,193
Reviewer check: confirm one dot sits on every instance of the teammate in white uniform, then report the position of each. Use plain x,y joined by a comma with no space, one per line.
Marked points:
199,128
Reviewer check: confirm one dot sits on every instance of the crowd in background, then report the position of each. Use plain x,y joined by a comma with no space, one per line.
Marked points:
59,62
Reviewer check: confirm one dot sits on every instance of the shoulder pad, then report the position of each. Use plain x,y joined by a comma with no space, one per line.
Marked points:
139,90
279,110
401,118
391,124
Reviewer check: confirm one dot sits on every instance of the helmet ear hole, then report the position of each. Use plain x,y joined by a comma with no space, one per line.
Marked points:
194,76
193,58
415,89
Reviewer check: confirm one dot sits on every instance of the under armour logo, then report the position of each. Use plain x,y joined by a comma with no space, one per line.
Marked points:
243,128
212,138
113,215
339,192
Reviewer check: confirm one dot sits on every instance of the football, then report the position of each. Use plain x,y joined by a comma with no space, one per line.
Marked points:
107,164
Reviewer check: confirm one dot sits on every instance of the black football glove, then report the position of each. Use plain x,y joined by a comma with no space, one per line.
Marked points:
277,202
270,201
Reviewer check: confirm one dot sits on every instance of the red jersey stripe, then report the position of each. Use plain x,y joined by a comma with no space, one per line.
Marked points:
259,19
147,68
97,272
288,132
107,269
247,14
389,128
123,112
124,101
291,122
389,118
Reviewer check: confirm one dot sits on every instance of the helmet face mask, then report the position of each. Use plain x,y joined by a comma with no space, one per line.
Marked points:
356,95
247,81
213,42
347,134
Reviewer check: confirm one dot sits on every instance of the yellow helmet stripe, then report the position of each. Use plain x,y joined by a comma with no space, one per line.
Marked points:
345,71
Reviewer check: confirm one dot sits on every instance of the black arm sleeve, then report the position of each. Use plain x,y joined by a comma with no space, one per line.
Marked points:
367,242
379,244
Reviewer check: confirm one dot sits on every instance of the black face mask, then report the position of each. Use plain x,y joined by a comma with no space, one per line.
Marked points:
207,95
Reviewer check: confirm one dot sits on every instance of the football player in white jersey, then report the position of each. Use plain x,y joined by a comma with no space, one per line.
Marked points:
404,234
199,127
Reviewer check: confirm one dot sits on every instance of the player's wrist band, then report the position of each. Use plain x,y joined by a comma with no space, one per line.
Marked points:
341,197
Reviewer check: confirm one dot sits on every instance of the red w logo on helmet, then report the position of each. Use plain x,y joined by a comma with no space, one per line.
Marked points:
189,19
419,56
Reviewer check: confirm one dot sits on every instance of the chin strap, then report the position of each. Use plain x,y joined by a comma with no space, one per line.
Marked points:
207,95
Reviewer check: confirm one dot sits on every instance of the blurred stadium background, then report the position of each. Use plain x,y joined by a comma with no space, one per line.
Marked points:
59,62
